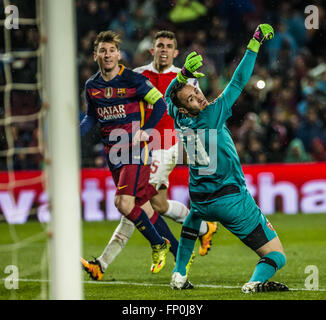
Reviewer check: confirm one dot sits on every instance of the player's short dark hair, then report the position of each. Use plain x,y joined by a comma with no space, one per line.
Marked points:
165,34
177,87
107,36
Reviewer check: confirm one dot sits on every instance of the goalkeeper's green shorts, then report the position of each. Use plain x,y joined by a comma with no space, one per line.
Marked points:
239,214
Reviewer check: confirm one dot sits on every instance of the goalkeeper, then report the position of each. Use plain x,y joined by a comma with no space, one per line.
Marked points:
216,184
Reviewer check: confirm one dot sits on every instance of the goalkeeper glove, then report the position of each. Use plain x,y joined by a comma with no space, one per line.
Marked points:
262,33
193,62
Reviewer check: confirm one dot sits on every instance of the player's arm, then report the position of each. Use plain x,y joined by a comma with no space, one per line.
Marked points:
87,124
244,70
90,119
147,92
219,111
155,98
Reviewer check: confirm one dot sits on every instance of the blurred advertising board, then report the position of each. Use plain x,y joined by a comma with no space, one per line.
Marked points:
287,188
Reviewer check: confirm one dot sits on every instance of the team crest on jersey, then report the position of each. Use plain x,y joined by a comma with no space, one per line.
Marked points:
121,92
108,92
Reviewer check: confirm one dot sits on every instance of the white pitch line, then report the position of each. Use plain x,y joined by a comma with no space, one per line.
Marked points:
212,286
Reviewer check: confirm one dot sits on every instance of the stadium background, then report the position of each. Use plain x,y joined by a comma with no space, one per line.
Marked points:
283,123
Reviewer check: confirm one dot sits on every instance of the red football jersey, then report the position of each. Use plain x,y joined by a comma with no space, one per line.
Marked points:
161,81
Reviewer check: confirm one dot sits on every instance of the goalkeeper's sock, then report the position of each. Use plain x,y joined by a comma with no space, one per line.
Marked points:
268,265
120,237
144,225
164,230
186,247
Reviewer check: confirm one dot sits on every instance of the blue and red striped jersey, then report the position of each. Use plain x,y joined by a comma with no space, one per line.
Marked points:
119,108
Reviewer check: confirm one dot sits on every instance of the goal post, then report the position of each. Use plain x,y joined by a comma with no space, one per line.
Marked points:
60,64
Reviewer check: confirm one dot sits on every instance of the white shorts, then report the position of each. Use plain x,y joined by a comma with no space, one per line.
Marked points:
163,162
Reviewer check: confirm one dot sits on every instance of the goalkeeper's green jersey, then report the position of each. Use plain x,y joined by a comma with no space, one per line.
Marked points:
213,159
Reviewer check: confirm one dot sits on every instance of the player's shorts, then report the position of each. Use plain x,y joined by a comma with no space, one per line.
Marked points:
239,214
132,180
163,162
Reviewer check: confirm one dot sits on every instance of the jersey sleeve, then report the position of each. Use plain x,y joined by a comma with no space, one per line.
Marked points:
219,111
90,119
90,109
145,90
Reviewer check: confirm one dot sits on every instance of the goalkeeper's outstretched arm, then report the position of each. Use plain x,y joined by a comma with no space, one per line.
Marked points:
244,70
240,77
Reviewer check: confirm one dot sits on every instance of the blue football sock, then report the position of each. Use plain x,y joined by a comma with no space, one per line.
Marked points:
267,266
144,225
164,230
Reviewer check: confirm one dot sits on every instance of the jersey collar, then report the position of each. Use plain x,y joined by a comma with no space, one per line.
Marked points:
122,68
171,69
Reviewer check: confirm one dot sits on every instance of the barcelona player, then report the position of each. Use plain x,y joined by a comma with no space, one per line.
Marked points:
116,98
217,185
160,72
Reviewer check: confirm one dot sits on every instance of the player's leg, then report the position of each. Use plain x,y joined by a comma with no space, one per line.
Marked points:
160,246
239,214
126,206
119,239
264,241
137,216
163,162
161,227
189,234
272,259
97,267
132,185
258,234
178,212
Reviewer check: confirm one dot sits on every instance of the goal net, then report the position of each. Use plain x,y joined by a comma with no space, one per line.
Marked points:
39,156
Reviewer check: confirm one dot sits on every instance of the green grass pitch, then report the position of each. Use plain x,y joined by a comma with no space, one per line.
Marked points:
217,276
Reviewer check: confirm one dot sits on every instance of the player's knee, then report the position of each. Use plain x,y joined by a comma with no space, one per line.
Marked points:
160,206
124,204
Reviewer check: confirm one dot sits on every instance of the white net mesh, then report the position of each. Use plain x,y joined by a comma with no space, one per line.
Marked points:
22,152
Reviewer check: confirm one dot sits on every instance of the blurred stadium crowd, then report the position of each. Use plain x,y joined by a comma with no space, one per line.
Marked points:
281,115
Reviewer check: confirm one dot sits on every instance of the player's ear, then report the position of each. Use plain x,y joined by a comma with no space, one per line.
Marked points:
95,56
151,50
183,110
176,53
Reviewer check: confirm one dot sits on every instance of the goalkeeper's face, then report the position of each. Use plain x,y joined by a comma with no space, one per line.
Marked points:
107,56
164,52
192,99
